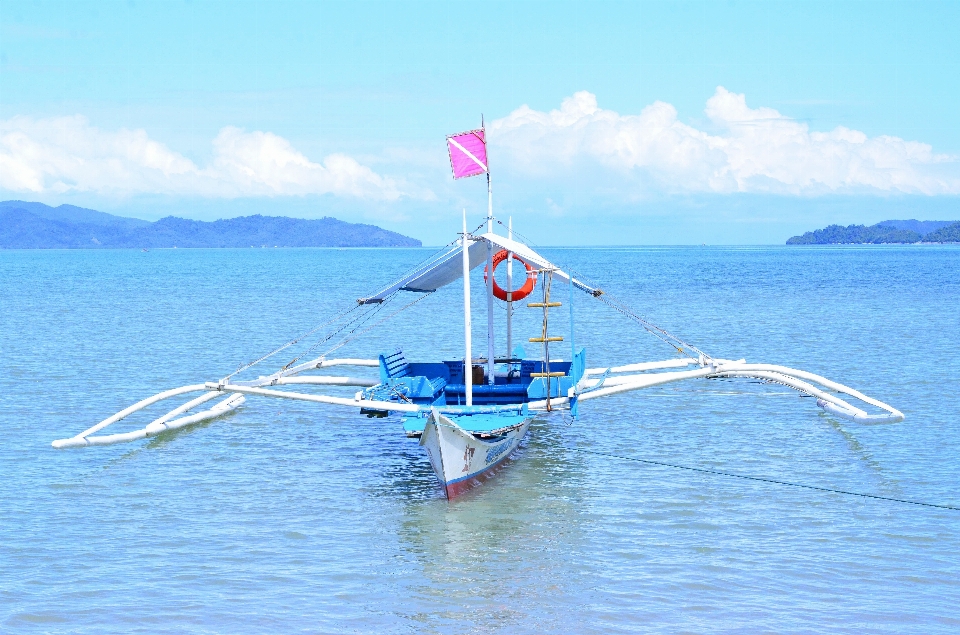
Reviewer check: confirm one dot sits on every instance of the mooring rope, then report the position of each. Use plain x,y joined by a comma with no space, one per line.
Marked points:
660,333
335,318
363,317
295,340
347,339
766,480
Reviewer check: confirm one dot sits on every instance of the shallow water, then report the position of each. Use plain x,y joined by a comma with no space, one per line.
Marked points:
293,517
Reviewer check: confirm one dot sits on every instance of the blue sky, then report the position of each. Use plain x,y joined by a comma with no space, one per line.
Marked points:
610,123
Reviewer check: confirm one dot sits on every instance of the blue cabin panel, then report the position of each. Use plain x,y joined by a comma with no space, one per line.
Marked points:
437,384
485,394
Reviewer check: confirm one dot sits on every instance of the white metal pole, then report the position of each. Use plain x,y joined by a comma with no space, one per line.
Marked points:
510,291
467,355
490,314
489,190
573,346
490,338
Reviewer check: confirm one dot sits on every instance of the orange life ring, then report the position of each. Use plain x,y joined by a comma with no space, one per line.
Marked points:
520,293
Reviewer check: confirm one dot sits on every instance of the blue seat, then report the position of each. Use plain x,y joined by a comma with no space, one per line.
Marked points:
400,375
393,366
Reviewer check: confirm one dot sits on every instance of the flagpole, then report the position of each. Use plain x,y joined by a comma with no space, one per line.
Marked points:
460,170
509,292
490,338
468,354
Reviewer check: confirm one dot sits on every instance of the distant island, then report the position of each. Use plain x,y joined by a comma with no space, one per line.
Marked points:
25,225
885,232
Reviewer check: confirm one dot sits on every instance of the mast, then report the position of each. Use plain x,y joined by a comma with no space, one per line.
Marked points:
468,151
468,354
509,292
573,346
490,342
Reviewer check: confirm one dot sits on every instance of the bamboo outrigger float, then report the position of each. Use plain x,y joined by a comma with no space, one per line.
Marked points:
470,414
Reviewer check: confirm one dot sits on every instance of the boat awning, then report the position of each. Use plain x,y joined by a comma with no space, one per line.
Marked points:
448,267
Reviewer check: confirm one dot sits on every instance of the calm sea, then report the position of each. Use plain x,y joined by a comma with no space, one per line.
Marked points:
291,517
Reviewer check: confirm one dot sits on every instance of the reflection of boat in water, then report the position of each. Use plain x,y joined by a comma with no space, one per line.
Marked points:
470,414
466,552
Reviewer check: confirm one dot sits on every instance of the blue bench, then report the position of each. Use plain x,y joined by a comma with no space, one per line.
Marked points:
420,383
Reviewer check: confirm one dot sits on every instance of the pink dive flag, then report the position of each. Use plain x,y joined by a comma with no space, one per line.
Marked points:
468,153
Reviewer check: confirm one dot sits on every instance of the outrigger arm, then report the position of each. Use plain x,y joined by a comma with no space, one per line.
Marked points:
592,387
596,383
449,266
234,398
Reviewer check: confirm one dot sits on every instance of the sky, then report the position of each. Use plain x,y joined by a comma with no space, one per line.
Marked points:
634,123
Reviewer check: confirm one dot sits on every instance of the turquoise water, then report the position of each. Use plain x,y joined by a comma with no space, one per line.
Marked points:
291,517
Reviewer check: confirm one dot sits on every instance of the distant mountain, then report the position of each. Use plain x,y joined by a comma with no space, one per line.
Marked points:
948,234
922,227
21,227
885,232
254,231
72,214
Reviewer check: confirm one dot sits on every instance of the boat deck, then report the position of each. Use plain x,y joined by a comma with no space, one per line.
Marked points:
439,384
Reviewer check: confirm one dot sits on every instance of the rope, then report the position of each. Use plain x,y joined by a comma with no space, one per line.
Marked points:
660,333
342,314
767,480
349,339
357,324
480,226
295,340
363,317
430,257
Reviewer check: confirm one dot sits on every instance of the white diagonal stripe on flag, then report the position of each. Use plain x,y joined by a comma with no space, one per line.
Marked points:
467,152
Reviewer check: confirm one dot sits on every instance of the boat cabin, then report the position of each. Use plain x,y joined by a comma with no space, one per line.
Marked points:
515,380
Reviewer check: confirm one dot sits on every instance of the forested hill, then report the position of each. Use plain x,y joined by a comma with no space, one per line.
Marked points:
886,232
25,225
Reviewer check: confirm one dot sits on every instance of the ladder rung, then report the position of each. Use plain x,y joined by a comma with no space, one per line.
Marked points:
540,305
548,374
548,339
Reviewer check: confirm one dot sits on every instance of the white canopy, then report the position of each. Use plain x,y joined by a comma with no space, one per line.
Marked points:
448,267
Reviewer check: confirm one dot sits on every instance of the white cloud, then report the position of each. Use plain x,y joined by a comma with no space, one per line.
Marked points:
756,150
67,154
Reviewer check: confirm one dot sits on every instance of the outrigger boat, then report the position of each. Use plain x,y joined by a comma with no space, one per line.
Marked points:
470,414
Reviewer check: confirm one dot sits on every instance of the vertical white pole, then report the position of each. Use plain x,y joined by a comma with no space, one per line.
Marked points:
490,314
573,346
490,342
468,354
509,291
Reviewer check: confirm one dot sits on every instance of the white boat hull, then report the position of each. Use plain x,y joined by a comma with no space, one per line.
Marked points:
462,461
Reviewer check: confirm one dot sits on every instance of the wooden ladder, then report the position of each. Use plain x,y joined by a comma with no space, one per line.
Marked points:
545,339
